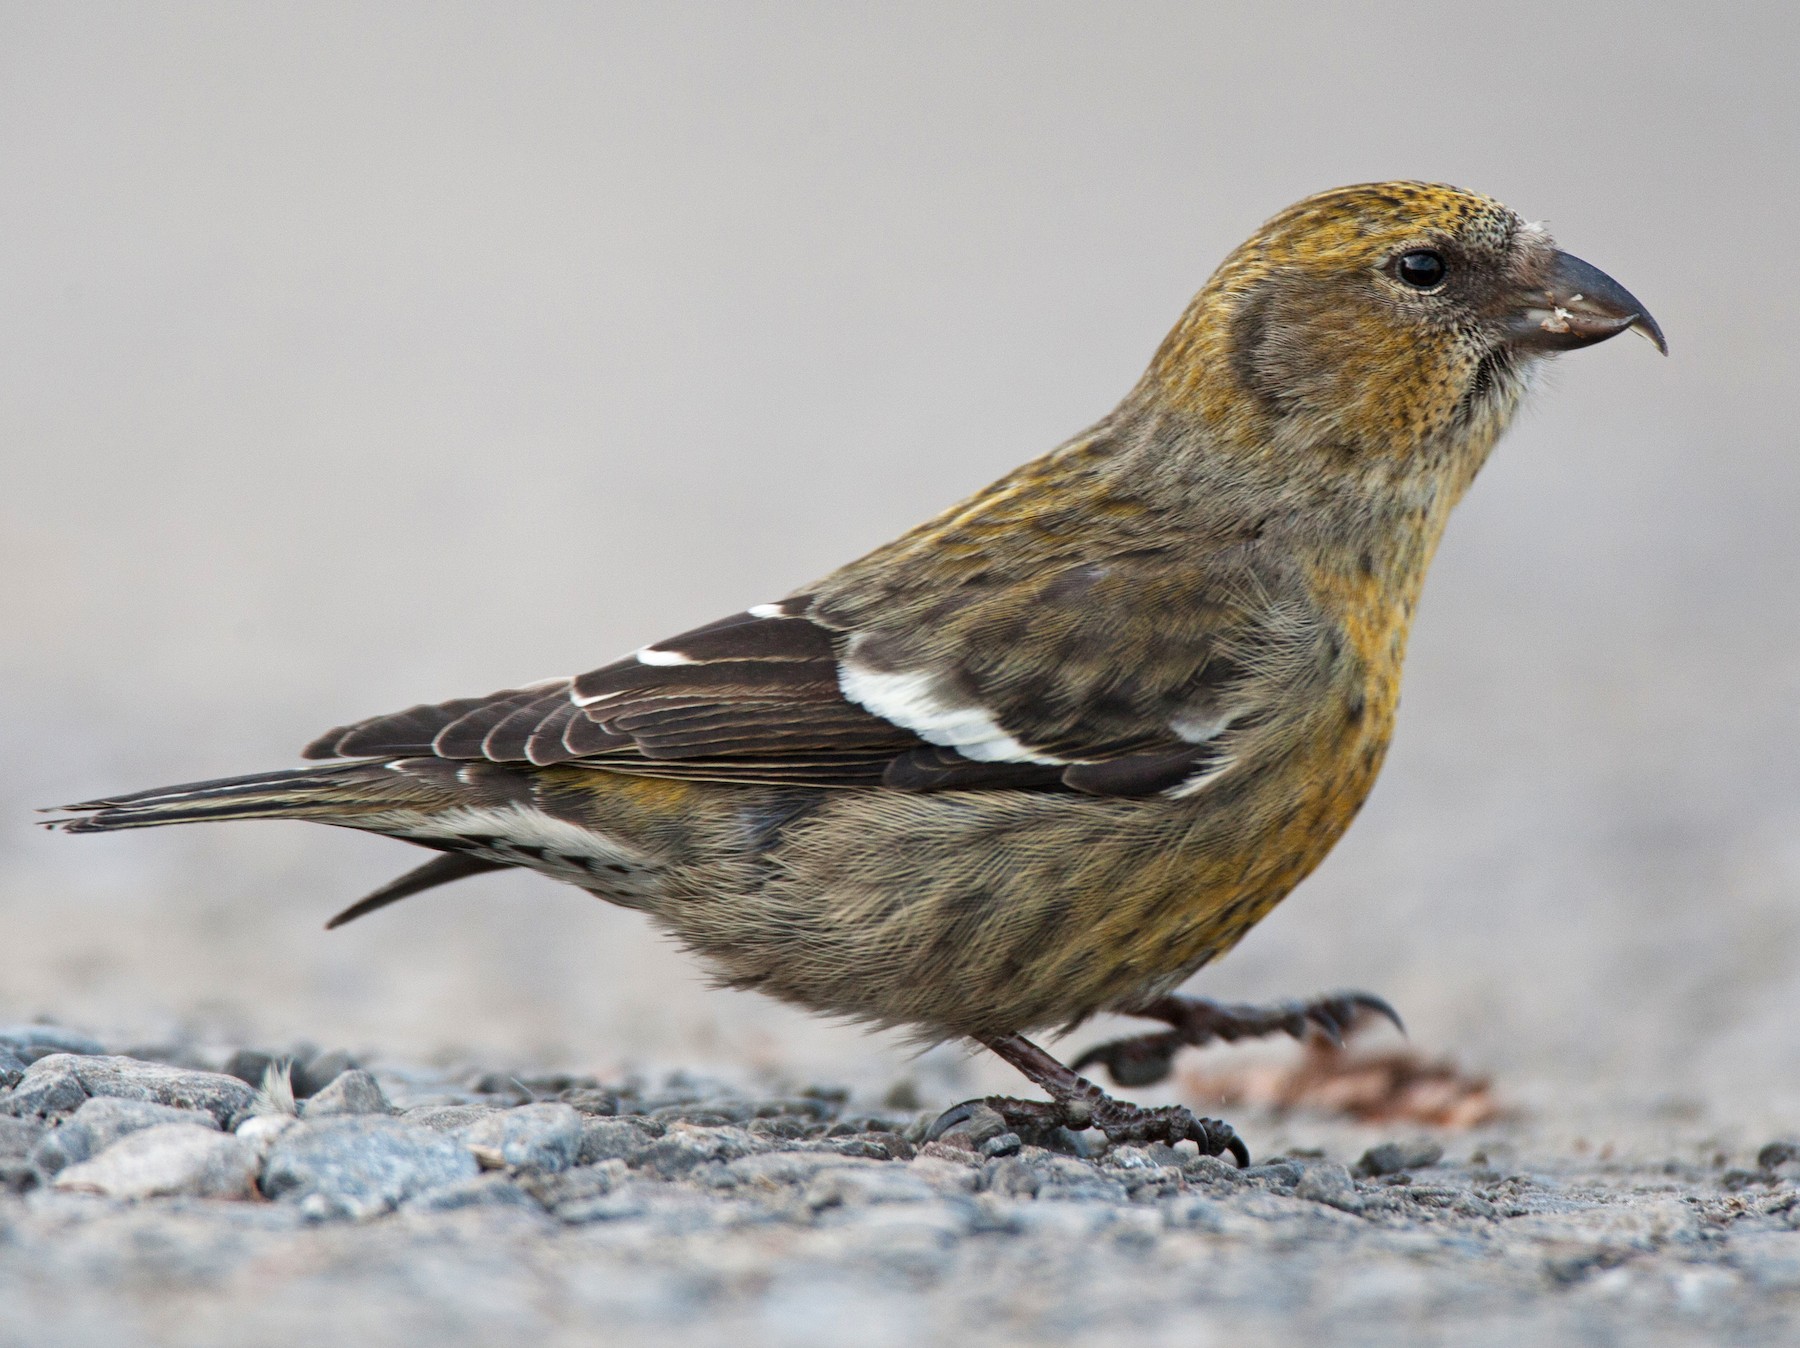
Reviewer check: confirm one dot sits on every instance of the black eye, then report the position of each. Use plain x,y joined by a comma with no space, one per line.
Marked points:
1421,268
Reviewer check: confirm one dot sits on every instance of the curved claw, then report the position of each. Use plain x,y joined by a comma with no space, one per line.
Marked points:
1217,1136
952,1116
1368,1001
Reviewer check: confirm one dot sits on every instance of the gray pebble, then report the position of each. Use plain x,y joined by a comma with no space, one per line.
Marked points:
590,1100
1213,1171
1281,1176
362,1167
18,1139
544,1137
12,1066
1390,1158
1778,1154
249,1064
574,1186
614,1139
1329,1183
484,1191
619,1205
448,1118
847,1187
166,1160
317,1073
58,1083
31,1042
102,1121
685,1146
1005,1144
44,1092
351,1092
1010,1177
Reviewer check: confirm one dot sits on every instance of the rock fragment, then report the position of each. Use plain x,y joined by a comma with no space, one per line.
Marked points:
1328,1183
31,1042
351,1092
491,1190
615,1139
59,1082
165,1160
1390,1158
544,1138
102,1121
12,1066
363,1166
685,1146
19,1138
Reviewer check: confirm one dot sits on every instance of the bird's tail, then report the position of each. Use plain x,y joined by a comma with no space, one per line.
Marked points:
394,797
343,793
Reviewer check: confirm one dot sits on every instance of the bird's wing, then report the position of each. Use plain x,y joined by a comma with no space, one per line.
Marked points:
1120,677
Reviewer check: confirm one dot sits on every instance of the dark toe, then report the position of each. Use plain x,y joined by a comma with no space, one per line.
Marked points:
1141,1061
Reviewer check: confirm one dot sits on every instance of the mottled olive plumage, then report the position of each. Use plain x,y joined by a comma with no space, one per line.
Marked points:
1055,750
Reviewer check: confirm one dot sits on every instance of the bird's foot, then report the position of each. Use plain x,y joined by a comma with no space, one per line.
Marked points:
1145,1059
1077,1104
1038,1121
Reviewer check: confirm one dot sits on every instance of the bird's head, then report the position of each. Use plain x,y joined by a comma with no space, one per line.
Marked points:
1381,320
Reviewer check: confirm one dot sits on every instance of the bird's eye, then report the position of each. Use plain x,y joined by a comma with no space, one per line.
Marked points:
1421,268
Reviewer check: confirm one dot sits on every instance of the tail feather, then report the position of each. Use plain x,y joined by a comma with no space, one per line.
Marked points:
438,871
296,793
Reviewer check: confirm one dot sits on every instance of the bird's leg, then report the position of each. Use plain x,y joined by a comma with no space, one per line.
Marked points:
1077,1103
1145,1059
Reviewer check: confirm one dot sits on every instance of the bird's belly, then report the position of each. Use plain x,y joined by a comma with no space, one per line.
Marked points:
993,912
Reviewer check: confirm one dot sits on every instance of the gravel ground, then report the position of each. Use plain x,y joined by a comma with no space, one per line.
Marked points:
158,1197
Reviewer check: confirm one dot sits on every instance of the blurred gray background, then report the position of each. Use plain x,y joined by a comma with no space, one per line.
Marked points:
357,355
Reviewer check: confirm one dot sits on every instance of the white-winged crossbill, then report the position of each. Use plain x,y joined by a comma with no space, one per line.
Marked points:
1053,751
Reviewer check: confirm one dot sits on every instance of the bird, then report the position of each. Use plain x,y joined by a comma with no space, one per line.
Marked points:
1052,752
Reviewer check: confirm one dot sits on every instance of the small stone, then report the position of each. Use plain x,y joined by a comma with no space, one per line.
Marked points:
102,1121
1006,1144
484,1191
168,1159
944,1151
1010,1177
12,1067
613,1139
226,1098
19,1136
316,1074
1328,1183
248,1065
573,1186
1214,1171
362,1166
43,1094
846,1186
352,1092
18,1139
1777,1154
685,1146
590,1100
544,1137
621,1204
31,1042
448,1118
1131,1158
1278,1175
1390,1158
